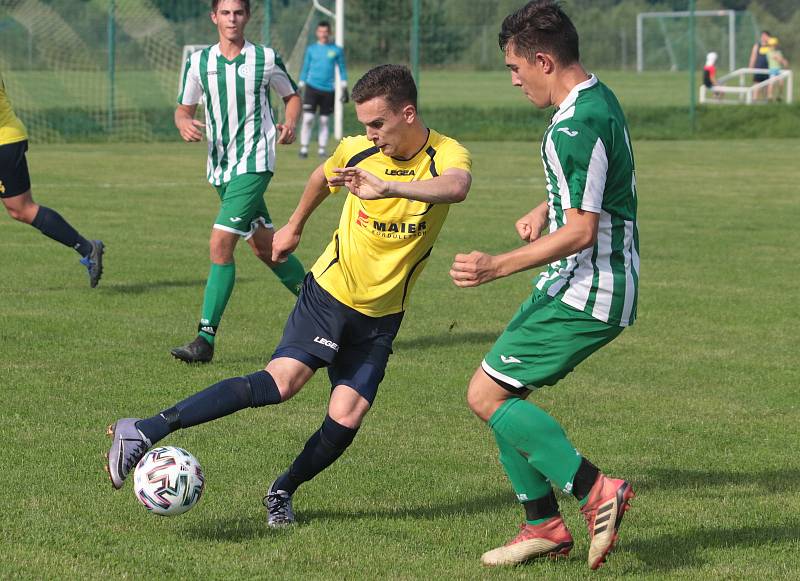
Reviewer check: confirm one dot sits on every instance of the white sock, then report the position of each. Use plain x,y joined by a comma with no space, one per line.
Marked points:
323,132
305,131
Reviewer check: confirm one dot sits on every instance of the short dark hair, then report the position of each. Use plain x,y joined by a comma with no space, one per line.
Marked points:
392,82
324,24
541,26
215,4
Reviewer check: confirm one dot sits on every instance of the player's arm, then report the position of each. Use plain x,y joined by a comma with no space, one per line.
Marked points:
530,226
449,188
753,54
287,238
292,112
579,232
188,126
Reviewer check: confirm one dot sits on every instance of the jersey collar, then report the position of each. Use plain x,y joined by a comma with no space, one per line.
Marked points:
239,57
420,150
572,96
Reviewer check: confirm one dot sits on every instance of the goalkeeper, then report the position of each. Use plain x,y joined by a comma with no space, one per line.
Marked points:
317,78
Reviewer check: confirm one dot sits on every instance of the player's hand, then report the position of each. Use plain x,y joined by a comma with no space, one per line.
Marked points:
284,242
345,95
360,182
286,133
529,227
473,269
190,129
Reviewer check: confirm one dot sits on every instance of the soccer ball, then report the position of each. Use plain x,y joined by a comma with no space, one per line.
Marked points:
168,481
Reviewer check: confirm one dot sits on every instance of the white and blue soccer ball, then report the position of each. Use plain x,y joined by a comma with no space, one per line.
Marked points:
168,481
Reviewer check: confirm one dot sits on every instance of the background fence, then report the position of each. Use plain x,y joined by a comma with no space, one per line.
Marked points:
108,69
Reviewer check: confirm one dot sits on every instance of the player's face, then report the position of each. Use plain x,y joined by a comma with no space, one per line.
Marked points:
323,34
530,77
231,17
386,128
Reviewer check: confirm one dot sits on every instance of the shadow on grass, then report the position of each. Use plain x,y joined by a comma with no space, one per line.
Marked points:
685,551
137,288
445,339
246,528
768,481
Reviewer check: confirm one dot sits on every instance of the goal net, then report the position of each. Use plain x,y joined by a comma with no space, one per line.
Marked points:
663,39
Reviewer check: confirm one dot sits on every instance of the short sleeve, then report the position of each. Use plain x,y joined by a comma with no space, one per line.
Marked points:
337,159
279,78
191,92
577,156
452,155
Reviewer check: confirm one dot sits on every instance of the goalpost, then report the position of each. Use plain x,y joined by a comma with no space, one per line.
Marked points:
661,16
338,108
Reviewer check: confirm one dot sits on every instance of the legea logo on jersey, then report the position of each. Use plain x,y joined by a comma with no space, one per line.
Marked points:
399,172
326,342
246,71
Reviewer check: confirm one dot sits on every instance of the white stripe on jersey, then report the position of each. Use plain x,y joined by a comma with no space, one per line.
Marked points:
249,126
233,119
630,289
214,144
605,275
595,179
555,165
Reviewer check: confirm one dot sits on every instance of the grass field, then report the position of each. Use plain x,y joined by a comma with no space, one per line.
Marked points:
438,88
696,404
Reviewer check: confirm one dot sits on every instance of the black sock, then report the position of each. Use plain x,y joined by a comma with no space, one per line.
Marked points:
546,507
321,450
584,479
221,399
51,224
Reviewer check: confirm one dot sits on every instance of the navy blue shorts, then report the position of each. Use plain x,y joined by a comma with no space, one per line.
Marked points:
14,176
321,332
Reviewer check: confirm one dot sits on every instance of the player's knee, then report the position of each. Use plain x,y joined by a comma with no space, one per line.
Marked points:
262,389
24,214
482,400
336,436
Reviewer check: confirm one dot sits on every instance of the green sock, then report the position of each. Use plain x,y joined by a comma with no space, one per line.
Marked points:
218,290
290,273
539,437
528,483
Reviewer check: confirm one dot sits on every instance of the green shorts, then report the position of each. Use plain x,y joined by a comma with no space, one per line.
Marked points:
243,206
544,341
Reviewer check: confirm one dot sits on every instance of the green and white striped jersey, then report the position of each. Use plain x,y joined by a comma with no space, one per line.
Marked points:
588,164
240,129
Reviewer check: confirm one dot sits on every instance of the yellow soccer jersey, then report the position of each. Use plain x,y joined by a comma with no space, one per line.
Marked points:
382,246
11,128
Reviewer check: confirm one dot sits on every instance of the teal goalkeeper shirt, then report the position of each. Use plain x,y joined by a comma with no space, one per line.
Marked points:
319,66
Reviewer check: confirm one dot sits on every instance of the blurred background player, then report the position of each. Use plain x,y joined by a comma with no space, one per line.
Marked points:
582,302
233,78
758,60
775,63
15,191
710,71
354,299
317,78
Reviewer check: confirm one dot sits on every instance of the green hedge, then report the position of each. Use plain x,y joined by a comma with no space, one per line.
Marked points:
465,123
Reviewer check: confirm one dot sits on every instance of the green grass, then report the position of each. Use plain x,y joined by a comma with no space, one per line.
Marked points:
696,403
473,105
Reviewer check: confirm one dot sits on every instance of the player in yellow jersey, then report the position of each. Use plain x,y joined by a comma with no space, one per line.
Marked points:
15,191
402,178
